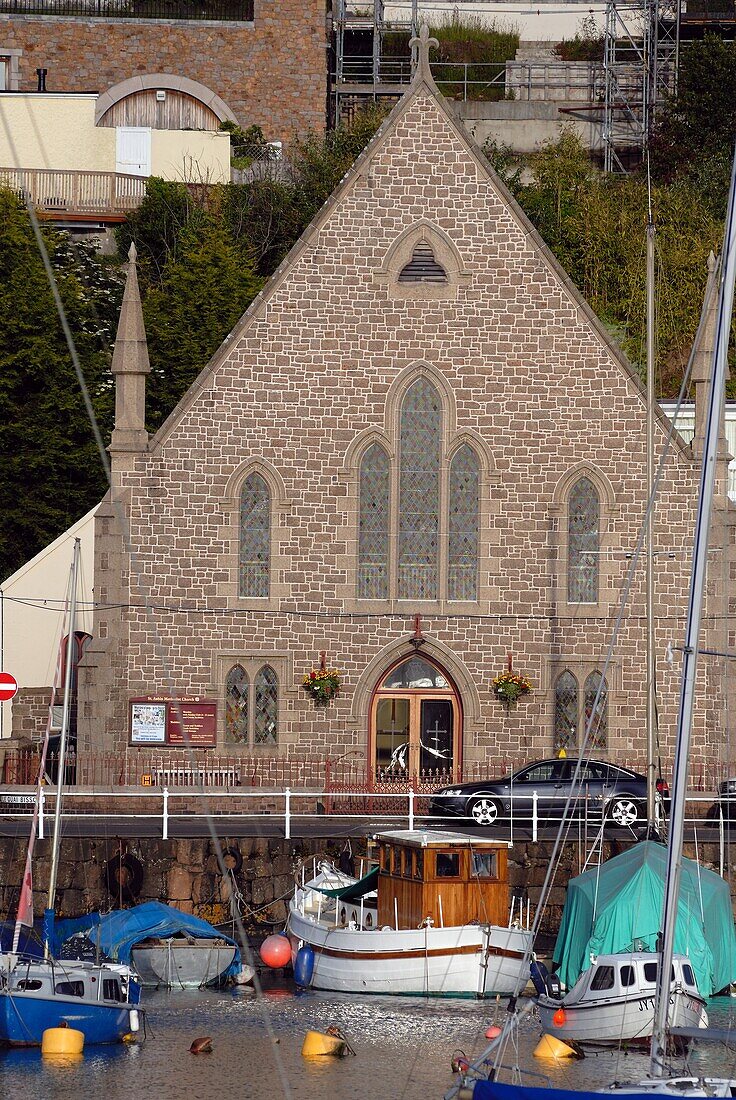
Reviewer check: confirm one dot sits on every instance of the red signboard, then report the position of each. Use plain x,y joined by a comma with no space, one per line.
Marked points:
8,686
156,721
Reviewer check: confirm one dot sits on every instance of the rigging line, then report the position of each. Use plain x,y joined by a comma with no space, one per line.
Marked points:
159,647
566,823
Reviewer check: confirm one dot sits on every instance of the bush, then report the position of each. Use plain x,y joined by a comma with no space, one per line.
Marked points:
587,45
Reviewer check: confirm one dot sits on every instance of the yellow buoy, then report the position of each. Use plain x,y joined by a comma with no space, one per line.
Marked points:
62,1040
551,1047
316,1044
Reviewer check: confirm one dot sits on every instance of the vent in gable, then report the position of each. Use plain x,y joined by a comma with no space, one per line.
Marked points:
422,267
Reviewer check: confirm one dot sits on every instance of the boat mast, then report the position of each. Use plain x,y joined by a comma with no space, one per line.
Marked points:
692,630
64,733
651,682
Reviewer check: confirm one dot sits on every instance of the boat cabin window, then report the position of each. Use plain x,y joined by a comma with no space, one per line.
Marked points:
603,978
29,984
111,990
70,989
485,865
687,973
627,976
419,864
650,973
448,864
386,859
407,863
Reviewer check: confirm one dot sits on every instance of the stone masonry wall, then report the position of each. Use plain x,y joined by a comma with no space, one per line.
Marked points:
272,72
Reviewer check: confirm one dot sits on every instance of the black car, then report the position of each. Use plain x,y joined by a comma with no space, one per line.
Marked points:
727,799
619,793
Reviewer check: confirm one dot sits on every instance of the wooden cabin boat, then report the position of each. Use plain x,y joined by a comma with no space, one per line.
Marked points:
432,918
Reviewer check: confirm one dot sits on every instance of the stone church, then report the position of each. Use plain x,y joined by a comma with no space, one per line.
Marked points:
419,460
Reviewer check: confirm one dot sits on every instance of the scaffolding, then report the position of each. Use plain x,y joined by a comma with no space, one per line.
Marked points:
361,70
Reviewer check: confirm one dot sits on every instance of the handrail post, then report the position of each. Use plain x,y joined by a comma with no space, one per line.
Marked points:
41,802
287,814
465,82
165,831
535,797
411,808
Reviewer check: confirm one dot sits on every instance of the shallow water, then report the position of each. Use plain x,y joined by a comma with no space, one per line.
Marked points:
404,1046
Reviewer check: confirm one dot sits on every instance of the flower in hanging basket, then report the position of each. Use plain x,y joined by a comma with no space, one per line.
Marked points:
322,684
509,686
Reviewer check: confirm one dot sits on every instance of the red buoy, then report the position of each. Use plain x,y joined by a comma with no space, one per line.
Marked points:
276,951
493,1032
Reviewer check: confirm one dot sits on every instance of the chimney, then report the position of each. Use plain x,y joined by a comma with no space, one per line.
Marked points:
41,74
130,366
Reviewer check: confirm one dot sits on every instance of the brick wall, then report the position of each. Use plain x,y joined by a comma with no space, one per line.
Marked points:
272,72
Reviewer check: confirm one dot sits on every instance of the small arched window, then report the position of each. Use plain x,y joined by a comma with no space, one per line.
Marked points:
255,537
566,711
266,707
462,559
236,705
583,542
599,723
373,537
420,440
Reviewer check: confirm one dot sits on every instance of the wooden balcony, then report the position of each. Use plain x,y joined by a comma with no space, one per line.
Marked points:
76,196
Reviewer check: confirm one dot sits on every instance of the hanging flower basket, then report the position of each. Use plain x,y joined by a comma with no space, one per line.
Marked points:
510,686
323,684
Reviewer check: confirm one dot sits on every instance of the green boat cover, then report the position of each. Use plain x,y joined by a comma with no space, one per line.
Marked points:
356,890
617,907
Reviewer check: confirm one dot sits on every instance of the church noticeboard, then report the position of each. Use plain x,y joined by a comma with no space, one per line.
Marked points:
176,722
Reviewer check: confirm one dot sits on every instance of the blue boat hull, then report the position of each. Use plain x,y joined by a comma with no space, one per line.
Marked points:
23,1019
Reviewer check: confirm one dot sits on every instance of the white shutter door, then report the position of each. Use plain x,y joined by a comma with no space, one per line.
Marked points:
133,155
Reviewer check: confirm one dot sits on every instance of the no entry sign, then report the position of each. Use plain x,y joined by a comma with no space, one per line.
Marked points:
8,686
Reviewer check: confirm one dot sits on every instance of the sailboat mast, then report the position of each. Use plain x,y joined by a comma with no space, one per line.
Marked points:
651,682
692,631
64,730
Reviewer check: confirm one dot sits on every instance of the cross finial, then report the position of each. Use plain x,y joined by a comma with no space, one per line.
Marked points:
423,43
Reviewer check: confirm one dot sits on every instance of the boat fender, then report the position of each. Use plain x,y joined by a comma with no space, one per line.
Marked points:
123,876
202,1046
304,966
134,1020
233,859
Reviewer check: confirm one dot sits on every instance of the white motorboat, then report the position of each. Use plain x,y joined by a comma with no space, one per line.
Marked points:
613,1001
432,918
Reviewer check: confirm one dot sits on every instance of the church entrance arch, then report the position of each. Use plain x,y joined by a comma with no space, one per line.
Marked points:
415,723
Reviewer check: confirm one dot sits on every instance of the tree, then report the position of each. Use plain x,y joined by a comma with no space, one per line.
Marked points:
52,473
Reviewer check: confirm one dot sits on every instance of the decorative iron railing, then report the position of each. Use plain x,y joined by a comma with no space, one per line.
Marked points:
237,11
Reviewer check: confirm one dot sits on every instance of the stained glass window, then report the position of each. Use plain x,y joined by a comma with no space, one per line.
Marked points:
566,711
375,481
419,491
599,725
266,706
255,536
583,543
462,571
236,705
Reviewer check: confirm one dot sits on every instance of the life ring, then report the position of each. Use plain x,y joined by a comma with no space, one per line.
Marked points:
123,876
232,859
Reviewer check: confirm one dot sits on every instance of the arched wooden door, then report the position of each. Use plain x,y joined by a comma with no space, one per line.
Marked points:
416,724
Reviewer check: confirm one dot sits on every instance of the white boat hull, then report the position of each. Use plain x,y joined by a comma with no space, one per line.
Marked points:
476,960
621,1019
180,965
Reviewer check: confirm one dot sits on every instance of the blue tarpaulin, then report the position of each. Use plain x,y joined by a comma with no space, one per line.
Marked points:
118,932
492,1090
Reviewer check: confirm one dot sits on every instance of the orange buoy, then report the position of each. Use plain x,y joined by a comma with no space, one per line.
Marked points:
276,951
560,1018
493,1031
201,1046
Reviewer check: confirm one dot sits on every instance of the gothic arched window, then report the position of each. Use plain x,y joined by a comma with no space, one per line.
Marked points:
255,537
599,724
236,705
462,558
583,542
373,536
265,725
420,439
566,711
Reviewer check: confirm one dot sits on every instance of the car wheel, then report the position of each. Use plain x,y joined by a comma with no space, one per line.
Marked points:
485,810
624,811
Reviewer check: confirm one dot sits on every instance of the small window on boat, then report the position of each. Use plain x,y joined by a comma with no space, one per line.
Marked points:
603,978
343,916
386,859
650,973
627,975
419,864
29,984
70,989
369,920
485,864
687,973
407,863
111,990
448,864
